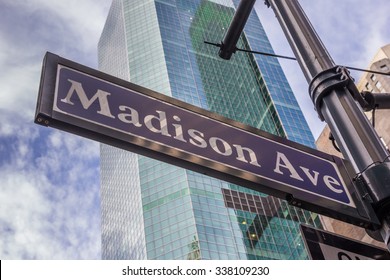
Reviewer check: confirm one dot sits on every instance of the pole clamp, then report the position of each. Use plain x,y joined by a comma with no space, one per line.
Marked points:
334,78
377,181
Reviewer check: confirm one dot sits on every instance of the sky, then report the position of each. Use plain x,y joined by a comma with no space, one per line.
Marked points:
49,179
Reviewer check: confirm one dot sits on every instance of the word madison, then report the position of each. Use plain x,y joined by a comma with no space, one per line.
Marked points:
142,117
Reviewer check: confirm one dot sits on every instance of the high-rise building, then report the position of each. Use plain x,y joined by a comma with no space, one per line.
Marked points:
374,83
152,210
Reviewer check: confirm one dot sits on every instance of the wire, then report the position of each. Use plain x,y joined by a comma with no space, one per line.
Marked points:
213,44
267,54
293,58
367,70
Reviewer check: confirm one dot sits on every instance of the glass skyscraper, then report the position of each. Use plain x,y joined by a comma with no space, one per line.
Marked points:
152,210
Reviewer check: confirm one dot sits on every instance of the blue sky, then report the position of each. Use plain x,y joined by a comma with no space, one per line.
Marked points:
49,179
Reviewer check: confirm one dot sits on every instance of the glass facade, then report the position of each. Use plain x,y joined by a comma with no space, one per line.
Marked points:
152,210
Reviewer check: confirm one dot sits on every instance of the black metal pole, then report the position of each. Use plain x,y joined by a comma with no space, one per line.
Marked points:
332,89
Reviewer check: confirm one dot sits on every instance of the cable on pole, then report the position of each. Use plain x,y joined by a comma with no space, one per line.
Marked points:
293,58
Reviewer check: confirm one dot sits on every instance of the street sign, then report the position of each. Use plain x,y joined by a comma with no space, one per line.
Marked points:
93,104
323,245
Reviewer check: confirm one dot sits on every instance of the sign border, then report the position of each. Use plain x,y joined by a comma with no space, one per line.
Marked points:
312,238
332,163
45,115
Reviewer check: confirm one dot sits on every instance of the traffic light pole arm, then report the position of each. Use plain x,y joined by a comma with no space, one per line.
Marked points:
376,100
228,45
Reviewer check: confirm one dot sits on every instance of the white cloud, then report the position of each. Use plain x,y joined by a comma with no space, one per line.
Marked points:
79,22
49,180
351,30
49,203
69,28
